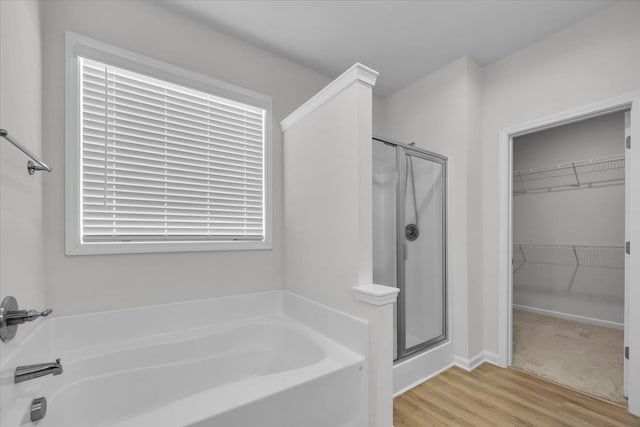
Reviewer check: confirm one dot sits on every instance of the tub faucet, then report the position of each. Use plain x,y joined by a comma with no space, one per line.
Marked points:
29,372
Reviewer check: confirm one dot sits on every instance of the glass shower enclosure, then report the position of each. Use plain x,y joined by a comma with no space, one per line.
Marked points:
409,241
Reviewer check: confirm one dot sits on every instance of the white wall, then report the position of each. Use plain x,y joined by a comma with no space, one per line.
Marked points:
328,201
21,223
475,194
439,113
89,283
322,201
589,216
601,136
595,59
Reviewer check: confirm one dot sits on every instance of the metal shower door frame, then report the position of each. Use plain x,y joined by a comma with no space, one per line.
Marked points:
402,151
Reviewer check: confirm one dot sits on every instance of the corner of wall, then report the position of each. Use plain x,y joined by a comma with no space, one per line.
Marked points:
474,204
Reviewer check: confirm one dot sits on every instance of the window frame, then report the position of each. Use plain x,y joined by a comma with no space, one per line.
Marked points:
77,45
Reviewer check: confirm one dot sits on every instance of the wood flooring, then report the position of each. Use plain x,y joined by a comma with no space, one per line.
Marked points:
493,396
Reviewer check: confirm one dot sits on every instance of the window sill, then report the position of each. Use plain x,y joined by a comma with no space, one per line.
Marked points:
105,248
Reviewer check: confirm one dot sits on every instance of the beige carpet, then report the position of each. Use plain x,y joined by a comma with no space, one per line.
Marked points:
582,356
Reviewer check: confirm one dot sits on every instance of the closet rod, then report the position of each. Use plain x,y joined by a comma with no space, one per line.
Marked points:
31,167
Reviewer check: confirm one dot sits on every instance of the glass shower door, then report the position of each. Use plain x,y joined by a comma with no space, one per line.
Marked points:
421,250
409,241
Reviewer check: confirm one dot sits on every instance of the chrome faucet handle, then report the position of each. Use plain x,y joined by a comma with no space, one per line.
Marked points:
34,314
18,317
11,317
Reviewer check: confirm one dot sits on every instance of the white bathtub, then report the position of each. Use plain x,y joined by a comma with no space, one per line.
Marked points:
255,370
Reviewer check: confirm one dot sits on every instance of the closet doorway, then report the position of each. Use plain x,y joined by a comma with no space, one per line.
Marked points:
569,232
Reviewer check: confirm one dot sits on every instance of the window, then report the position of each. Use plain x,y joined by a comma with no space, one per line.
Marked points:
164,165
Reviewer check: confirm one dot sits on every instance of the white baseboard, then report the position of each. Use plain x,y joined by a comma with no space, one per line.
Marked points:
492,358
417,383
568,316
469,364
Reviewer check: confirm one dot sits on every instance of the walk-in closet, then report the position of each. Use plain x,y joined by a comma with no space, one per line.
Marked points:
568,208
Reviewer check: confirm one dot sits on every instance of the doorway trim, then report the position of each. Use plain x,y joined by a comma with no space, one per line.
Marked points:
505,200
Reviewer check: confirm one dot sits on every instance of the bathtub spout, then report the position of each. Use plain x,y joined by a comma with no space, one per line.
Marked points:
29,372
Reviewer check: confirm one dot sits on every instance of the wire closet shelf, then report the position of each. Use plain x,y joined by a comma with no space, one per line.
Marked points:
576,256
576,175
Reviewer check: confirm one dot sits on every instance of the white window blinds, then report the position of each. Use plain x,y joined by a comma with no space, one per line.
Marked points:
163,162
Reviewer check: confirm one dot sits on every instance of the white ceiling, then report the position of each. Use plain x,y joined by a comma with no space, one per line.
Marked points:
403,40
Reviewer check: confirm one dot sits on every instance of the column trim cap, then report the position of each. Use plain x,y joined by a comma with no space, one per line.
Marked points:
375,294
357,72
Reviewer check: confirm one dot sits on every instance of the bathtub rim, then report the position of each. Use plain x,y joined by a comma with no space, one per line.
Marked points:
345,331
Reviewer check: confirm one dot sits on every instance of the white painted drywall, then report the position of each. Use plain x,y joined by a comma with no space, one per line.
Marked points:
322,213
439,113
598,137
594,59
475,194
328,238
21,223
89,283
589,216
